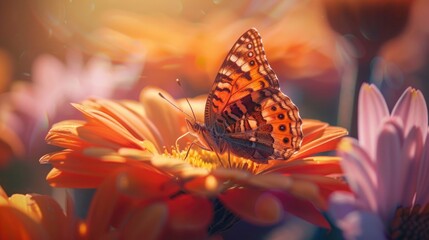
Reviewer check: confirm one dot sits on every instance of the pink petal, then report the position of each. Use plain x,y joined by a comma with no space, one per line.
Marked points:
391,170
360,225
359,170
74,64
99,77
47,71
411,157
411,108
422,189
372,109
341,204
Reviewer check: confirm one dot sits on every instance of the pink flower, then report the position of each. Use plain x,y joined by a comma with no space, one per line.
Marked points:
56,84
30,107
386,169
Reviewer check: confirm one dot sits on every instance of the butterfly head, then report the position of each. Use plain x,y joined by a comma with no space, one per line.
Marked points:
200,132
195,128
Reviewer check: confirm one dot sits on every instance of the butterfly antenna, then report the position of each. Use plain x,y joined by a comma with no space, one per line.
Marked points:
187,100
172,104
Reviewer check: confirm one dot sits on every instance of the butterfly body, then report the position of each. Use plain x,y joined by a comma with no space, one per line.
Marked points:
245,112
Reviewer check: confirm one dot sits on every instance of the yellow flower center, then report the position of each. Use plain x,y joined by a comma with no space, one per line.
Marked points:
210,160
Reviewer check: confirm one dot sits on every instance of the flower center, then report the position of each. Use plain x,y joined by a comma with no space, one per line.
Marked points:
200,159
210,160
410,223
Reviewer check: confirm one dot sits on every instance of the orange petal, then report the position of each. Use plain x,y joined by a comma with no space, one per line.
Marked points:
169,121
268,207
302,209
246,203
97,162
318,165
64,134
16,225
78,162
312,126
52,216
92,168
70,211
198,106
145,222
57,178
132,116
326,185
189,212
102,208
327,142
3,196
206,185
117,197
107,134
231,174
141,183
189,218
105,128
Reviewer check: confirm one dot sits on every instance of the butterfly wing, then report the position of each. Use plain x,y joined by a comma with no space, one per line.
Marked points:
259,121
263,125
245,69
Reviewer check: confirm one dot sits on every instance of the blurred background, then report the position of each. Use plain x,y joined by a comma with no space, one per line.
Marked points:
54,52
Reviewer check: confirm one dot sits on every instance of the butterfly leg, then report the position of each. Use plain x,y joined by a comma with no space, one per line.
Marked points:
229,158
189,148
195,142
180,138
220,160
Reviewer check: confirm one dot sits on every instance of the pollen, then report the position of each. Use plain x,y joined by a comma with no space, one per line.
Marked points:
210,160
244,164
196,158
410,223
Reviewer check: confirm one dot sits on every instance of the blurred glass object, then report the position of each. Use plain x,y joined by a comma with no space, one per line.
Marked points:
367,25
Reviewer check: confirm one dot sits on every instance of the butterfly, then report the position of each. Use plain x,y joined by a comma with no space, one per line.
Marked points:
246,113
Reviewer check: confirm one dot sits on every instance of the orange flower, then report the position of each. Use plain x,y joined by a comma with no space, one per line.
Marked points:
131,143
32,216
135,211
197,46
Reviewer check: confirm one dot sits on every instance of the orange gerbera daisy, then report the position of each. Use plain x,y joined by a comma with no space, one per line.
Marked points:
32,216
131,143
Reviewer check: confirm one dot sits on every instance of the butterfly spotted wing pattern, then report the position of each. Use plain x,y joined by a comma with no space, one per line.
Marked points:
246,112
